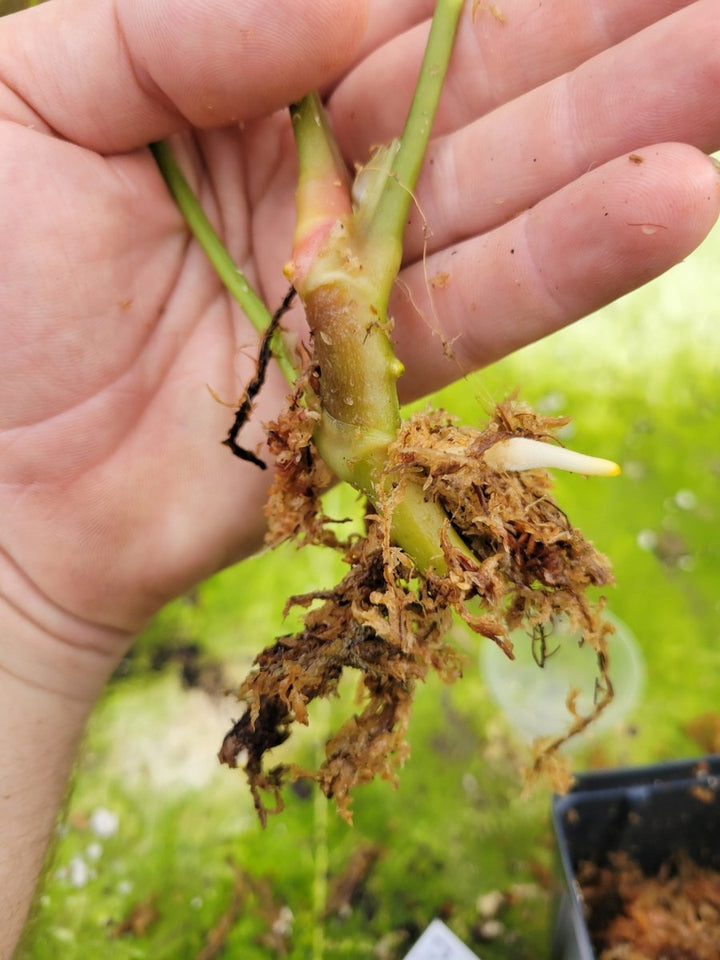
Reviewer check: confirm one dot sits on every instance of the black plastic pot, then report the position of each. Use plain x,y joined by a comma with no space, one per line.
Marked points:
648,813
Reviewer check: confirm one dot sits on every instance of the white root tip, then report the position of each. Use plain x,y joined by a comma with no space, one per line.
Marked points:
522,453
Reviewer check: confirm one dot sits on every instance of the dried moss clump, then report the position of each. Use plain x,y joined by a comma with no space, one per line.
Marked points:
674,914
524,565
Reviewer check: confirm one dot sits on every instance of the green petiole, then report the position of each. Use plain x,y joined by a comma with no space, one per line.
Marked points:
227,270
390,217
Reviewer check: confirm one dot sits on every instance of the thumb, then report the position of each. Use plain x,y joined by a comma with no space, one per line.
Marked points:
112,75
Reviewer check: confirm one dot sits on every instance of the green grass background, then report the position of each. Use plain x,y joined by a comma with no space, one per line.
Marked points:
641,382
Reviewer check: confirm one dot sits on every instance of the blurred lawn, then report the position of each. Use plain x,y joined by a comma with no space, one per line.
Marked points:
160,855
183,854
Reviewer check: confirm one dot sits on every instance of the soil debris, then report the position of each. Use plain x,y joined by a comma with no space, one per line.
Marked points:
293,509
276,915
347,888
674,914
705,731
141,917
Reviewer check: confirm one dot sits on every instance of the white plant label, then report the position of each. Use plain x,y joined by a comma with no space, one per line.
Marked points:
440,943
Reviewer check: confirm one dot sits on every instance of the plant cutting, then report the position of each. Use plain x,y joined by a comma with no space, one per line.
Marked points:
459,520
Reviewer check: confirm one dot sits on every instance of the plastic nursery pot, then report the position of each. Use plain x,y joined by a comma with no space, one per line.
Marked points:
651,814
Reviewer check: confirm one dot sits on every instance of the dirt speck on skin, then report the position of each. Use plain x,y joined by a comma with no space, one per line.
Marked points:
440,280
491,8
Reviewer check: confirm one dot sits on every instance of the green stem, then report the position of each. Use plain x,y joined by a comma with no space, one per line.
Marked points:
344,265
358,368
388,223
323,191
225,267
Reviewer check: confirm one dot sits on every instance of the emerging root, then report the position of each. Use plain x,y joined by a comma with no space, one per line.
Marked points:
524,566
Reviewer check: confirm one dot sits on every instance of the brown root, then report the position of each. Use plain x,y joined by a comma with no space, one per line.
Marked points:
525,566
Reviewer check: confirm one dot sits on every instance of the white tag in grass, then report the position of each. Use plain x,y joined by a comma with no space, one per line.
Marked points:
440,943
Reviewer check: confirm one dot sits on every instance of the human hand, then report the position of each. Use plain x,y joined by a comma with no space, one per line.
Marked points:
561,177
114,326
115,492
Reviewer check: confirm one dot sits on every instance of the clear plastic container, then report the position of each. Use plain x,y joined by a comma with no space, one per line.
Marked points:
533,698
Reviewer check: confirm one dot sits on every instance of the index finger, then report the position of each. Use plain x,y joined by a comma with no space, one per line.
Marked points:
113,76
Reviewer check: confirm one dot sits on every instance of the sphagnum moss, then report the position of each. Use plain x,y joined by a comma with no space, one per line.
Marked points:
522,564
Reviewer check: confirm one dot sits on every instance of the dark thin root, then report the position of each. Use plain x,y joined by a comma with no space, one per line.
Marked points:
253,388
540,650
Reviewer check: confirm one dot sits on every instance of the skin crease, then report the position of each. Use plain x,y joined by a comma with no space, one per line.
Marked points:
115,492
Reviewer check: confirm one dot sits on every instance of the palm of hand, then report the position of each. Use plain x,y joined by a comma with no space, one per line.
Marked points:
115,489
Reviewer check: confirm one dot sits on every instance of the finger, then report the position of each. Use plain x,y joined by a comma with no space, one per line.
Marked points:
605,234
114,76
502,50
389,20
660,85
